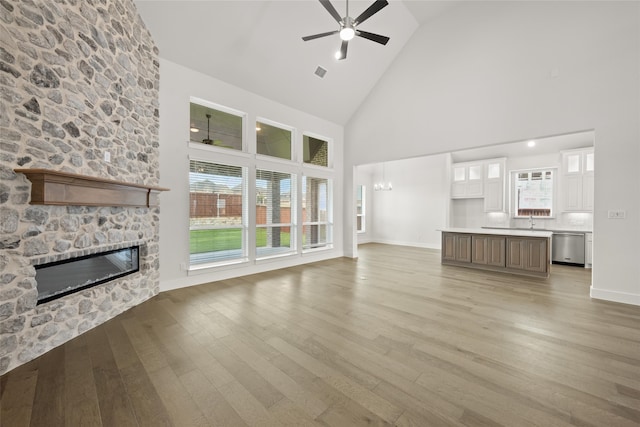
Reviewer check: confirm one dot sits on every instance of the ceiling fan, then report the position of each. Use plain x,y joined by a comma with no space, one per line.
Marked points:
348,26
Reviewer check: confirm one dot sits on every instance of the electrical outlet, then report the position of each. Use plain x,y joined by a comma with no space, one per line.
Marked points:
107,156
616,214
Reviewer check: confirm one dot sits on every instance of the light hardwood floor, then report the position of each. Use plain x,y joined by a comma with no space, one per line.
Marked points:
393,338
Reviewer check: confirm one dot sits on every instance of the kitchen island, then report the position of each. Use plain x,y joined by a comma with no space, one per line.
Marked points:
526,252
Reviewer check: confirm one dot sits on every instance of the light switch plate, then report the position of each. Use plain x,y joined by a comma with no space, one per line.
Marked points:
616,214
107,156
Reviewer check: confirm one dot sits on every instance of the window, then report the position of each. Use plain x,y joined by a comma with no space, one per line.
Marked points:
229,177
275,208
273,141
533,193
360,209
316,212
315,151
213,127
218,213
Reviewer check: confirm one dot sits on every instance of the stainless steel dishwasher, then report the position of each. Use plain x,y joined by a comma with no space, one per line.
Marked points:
568,248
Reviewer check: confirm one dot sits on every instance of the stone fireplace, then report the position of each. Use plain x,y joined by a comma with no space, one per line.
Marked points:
79,88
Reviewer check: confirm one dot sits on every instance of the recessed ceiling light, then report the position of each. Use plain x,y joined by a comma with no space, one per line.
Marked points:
194,129
258,128
531,143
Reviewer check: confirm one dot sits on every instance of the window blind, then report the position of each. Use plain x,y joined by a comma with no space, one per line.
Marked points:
218,212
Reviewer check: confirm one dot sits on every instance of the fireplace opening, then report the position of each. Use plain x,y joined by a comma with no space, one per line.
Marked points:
60,278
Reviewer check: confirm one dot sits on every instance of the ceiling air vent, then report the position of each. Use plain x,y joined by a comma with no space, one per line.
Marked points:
320,72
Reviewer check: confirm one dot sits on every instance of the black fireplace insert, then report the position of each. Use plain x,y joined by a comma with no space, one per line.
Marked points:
60,278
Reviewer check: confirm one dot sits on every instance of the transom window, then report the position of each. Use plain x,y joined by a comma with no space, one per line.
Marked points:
273,141
214,127
315,151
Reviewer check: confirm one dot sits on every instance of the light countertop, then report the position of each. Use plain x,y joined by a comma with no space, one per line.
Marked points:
499,232
554,230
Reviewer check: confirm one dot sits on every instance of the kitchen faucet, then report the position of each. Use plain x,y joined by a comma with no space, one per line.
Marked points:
531,223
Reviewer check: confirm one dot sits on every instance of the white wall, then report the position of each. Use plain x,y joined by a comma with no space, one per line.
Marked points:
493,72
468,213
177,85
411,213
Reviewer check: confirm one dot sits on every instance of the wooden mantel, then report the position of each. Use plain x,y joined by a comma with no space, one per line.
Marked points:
51,187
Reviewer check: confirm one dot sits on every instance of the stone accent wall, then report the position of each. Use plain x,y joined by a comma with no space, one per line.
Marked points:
77,78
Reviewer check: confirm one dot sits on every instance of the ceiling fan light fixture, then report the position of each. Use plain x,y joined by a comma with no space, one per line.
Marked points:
207,140
347,33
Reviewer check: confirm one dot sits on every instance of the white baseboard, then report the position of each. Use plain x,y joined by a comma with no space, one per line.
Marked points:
232,271
623,297
412,244
365,240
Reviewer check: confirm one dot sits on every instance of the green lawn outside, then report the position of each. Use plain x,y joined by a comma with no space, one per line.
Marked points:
226,239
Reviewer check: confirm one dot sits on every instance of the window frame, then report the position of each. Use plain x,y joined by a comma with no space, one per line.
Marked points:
230,151
293,145
329,142
251,162
329,223
513,177
293,212
363,203
243,226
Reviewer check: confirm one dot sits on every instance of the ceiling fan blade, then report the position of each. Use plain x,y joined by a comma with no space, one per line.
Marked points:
332,10
317,36
371,10
373,37
343,50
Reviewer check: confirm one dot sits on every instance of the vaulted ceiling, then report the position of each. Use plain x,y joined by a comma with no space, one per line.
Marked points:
258,46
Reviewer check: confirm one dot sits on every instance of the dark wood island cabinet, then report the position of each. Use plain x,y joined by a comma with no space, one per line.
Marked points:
510,251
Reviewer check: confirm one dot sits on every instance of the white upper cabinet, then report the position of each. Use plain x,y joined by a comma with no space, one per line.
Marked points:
577,180
480,179
467,180
494,185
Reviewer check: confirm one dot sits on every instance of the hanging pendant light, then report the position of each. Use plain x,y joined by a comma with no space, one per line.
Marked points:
383,185
207,140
